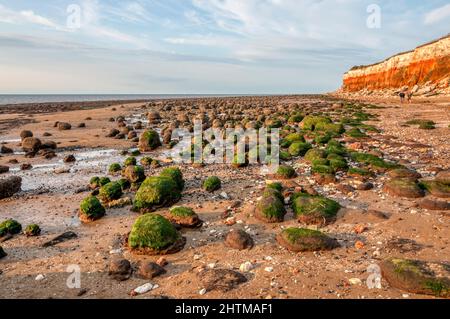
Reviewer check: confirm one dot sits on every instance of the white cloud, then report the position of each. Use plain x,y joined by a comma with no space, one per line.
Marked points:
437,15
26,16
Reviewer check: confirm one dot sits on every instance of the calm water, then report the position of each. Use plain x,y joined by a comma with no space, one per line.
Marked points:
20,99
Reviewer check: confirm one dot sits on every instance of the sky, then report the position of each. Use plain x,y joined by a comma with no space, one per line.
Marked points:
203,46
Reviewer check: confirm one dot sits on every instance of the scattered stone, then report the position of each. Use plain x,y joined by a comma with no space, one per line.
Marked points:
221,279
301,239
10,186
143,289
120,269
39,277
62,126
25,166
69,159
153,234
4,169
418,277
148,141
246,267
434,204
365,186
403,188
150,270
31,144
239,239
184,216
315,210
2,253
24,134
6,150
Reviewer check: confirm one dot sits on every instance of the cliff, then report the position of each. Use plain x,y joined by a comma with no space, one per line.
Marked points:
425,70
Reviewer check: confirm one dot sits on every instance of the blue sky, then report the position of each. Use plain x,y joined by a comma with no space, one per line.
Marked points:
203,46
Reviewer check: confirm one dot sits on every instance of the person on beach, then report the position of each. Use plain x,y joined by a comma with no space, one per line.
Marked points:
402,97
410,95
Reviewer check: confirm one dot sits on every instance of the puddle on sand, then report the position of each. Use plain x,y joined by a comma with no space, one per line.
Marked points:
88,163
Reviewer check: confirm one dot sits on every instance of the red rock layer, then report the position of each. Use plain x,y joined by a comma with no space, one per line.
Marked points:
419,73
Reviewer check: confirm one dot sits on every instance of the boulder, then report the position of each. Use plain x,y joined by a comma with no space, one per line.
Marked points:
222,280
403,187
156,192
153,234
63,126
150,270
301,239
149,140
25,133
239,239
91,209
31,144
184,216
10,186
271,207
316,210
418,277
120,269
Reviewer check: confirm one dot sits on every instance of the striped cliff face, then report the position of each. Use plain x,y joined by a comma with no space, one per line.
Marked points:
427,63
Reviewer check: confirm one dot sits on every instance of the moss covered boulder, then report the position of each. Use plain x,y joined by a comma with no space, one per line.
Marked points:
97,182
10,226
403,187
334,129
32,230
404,173
114,168
316,210
271,207
110,192
134,174
315,154
91,209
211,184
285,172
299,148
301,239
153,234
291,138
417,276
310,122
149,140
130,161
437,188
184,216
156,192
276,186
176,174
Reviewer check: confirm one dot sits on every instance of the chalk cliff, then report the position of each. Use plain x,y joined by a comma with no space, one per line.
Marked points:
425,71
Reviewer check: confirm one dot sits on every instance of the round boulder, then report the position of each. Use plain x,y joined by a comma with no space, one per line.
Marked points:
239,239
301,239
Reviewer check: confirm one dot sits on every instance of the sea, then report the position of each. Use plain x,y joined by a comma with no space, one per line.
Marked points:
49,98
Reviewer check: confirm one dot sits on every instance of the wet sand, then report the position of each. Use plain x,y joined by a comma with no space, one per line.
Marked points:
51,200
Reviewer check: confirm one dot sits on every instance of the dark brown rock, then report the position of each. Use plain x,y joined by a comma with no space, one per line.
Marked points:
149,270
63,126
31,144
434,204
120,269
69,159
10,186
238,239
6,150
4,169
221,279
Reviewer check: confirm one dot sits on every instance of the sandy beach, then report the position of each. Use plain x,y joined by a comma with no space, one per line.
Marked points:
52,190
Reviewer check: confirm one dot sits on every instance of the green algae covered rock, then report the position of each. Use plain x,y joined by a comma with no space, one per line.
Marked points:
301,239
316,210
97,182
184,216
403,187
417,277
315,154
276,186
310,122
91,209
110,192
291,138
285,172
154,234
134,174
299,148
211,184
114,168
10,226
156,192
130,161
271,206
437,188
176,174
32,230
149,140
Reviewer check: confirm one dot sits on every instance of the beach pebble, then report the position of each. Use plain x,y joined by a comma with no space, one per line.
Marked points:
202,292
246,267
39,277
143,289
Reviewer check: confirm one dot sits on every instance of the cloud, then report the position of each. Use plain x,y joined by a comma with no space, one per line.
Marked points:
26,16
437,15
